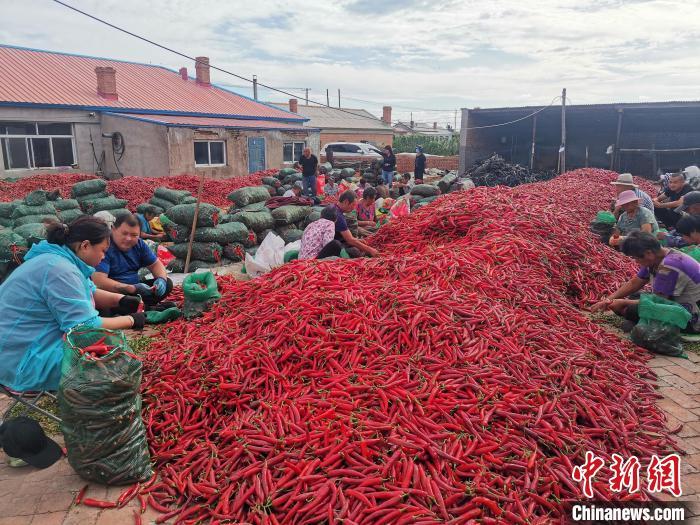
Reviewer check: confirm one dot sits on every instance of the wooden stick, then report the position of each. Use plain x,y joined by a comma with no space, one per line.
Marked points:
194,221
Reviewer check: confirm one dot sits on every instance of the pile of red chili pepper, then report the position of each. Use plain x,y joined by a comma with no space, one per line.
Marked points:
450,379
19,189
139,189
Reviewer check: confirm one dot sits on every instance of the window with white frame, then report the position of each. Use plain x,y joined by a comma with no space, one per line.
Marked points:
292,151
210,153
36,145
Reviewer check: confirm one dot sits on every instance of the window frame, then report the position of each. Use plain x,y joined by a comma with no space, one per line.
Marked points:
293,143
29,147
208,143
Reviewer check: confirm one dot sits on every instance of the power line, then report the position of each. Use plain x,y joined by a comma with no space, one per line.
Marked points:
171,50
518,120
407,108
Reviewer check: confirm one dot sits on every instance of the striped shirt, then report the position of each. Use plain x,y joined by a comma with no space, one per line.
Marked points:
644,199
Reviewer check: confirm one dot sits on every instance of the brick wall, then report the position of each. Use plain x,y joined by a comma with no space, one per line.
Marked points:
380,139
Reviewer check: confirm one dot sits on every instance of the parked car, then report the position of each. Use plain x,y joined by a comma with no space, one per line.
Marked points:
352,151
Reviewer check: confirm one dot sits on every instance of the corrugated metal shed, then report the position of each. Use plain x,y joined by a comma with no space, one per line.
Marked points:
210,122
48,79
335,119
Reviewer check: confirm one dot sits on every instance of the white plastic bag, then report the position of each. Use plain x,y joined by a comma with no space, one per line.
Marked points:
270,255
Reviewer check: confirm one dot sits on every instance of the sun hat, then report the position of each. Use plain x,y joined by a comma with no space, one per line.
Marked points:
626,197
624,179
690,198
23,438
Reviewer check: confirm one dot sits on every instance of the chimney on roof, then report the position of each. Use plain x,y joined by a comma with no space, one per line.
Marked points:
107,82
434,125
183,73
202,68
411,126
386,115
293,105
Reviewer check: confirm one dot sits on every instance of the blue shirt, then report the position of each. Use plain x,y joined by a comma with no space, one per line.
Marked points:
42,300
124,266
145,227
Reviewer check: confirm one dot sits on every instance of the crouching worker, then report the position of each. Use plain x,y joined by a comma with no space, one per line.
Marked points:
147,231
127,254
50,294
673,275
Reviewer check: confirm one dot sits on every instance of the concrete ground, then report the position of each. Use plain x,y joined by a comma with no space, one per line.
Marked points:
45,497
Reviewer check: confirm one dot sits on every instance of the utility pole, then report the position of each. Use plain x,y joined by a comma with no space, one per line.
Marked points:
339,99
455,128
255,87
534,141
328,99
562,153
307,96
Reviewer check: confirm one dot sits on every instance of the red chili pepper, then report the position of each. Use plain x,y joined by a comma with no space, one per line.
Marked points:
81,495
89,502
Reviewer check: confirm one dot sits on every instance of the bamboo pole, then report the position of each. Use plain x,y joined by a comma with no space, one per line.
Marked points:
194,221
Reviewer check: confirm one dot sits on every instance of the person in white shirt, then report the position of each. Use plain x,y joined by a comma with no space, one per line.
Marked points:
295,191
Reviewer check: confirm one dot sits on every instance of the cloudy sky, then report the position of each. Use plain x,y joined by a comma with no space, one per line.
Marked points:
414,55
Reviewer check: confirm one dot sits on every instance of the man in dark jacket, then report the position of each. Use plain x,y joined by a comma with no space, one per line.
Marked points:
309,168
419,168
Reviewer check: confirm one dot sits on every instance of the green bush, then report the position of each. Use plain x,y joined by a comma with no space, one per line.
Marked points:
446,146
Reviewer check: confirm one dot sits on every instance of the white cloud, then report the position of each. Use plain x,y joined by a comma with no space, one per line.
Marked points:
422,54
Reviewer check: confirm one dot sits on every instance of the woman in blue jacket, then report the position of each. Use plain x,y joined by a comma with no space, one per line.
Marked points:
50,293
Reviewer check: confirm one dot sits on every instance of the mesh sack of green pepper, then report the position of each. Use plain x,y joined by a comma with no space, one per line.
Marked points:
201,291
100,407
660,325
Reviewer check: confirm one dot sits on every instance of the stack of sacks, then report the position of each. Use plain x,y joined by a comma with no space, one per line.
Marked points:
216,243
165,198
93,197
35,209
249,208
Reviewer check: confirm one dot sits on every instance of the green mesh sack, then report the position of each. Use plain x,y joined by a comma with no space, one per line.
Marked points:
347,172
270,181
202,251
12,246
326,167
291,255
234,252
88,186
174,196
425,190
312,217
693,251
223,233
6,223
290,214
291,179
189,200
145,206
32,233
100,408
24,210
6,209
119,211
29,219
91,197
605,217
660,325
104,204
351,220
165,316
284,172
69,216
281,191
292,236
161,203
201,291
256,220
35,198
184,214
176,265
248,195
447,181
66,204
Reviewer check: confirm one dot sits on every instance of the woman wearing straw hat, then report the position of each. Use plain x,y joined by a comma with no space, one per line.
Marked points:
625,182
633,218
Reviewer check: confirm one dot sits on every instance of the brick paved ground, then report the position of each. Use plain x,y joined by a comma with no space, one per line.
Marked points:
44,497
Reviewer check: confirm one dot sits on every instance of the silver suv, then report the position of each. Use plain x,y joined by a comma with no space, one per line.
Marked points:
352,150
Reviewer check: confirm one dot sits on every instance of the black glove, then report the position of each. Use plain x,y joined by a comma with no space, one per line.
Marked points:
139,320
129,304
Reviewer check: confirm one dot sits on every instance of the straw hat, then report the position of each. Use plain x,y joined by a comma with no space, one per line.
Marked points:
626,197
625,179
